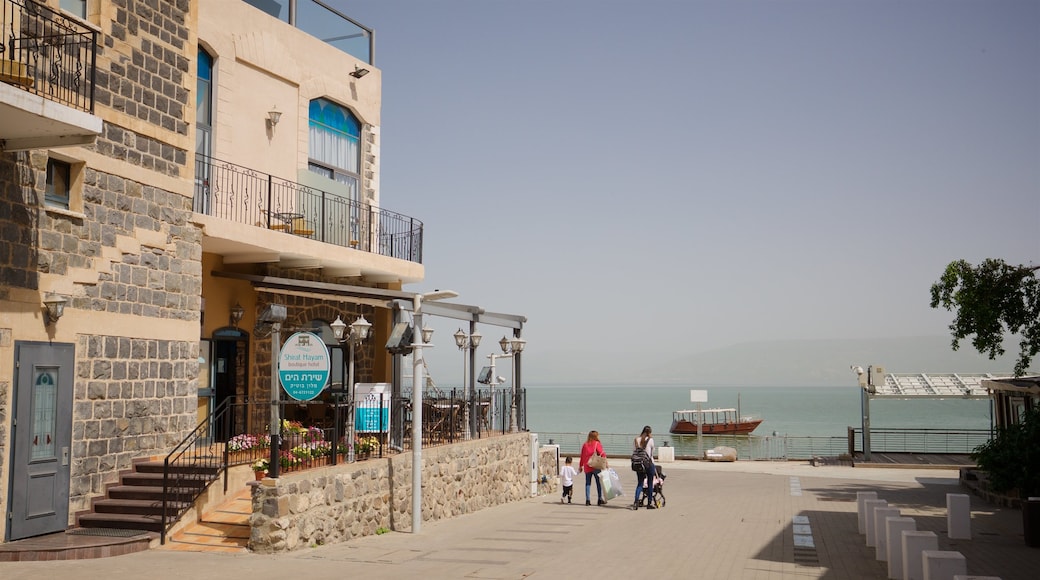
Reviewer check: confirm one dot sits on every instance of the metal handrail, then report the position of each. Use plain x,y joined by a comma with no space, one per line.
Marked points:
47,53
243,195
888,440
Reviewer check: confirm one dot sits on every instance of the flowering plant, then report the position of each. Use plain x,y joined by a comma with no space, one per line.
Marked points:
367,444
261,465
243,442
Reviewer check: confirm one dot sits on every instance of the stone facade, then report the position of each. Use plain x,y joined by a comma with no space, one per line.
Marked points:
337,504
125,253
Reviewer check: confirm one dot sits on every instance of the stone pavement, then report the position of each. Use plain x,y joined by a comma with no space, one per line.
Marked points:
721,521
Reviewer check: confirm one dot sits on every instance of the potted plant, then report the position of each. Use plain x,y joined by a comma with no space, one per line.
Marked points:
1011,460
260,468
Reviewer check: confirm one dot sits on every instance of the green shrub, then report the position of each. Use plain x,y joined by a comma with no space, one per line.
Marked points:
1011,458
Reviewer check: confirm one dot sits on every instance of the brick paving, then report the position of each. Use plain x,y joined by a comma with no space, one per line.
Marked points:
742,520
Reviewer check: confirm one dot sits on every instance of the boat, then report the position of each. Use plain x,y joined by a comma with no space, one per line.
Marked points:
715,422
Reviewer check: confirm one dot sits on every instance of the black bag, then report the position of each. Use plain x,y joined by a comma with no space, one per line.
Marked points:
641,461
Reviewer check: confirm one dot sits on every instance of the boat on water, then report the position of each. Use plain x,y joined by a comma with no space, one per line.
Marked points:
714,422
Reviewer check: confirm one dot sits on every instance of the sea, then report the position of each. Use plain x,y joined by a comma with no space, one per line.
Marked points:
623,410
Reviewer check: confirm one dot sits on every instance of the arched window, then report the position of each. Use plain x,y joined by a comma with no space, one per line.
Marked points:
204,104
335,143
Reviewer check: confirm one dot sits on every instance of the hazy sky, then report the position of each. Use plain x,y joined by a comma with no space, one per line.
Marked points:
682,176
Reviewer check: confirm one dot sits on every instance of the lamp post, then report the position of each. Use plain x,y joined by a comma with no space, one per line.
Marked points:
417,395
467,342
512,349
868,386
358,333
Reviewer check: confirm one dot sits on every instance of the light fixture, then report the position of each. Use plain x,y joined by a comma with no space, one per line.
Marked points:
236,314
517,344
273,116
338,328
359,72
55,307
359,329
427,334
504,343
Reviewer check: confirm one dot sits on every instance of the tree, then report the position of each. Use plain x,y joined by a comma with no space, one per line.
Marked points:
990,301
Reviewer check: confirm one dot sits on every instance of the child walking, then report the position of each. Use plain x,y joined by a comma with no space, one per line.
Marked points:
567,473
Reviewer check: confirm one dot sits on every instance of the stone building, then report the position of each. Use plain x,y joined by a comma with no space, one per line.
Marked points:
168,170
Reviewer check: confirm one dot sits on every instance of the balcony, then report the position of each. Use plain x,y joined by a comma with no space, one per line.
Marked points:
263,218
324,22
47,65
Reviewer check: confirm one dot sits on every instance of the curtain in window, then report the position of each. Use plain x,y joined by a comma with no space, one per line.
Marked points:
335,136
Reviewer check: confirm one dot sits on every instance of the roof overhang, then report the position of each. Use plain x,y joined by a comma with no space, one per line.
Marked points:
934,386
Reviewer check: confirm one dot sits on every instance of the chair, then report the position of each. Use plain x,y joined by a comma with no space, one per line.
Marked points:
301,227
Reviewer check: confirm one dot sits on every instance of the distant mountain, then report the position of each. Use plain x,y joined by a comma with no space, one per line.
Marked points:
822,362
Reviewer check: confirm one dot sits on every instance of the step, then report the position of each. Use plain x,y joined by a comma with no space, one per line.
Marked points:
150,492
211,467
144,507
195,480
121,521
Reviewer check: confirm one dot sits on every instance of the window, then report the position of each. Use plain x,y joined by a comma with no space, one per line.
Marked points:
75,7
335,143
204,104
59,179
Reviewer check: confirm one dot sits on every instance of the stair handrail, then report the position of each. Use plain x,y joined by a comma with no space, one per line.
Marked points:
205,429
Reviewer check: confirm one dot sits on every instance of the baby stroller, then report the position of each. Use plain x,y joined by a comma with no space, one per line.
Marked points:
658,495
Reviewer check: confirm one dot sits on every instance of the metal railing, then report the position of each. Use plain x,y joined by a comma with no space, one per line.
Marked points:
47,53
961,441
247,196
325,23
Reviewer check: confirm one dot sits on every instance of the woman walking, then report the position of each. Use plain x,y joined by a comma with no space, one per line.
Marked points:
591,447
645,476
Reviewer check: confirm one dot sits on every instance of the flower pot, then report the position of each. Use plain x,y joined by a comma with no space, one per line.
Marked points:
259,474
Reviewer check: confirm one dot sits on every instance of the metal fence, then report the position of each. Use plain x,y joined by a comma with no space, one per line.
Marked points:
787,447
47,54
247,196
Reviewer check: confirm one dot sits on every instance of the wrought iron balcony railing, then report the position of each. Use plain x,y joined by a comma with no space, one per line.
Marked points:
47,53
243,195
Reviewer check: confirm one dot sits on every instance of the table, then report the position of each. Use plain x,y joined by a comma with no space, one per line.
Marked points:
287,218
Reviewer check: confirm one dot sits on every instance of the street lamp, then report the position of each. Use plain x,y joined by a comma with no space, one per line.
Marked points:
512,348
868,382
358,333
467,342
417,395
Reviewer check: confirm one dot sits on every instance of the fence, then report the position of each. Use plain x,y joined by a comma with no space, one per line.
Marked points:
960,441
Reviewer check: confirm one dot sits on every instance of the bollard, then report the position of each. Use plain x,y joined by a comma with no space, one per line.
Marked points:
914,543
868,513
881,531
894,535
958,516
942,564
665,454
862,496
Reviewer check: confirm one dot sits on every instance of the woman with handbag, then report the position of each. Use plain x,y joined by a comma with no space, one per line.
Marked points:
592,450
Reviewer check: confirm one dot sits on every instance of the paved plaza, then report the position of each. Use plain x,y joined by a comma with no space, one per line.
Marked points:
722,520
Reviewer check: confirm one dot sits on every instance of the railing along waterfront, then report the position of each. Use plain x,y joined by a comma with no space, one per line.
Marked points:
787,447
48,54
961,441
247,196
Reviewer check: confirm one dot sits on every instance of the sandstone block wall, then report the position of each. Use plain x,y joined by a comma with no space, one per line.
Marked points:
336,504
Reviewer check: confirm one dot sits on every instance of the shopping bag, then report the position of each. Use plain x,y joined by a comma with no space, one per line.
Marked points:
611,484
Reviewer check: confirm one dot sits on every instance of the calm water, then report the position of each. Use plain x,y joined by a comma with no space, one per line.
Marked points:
796,411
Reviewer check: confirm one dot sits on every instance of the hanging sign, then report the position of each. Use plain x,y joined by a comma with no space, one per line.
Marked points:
303,366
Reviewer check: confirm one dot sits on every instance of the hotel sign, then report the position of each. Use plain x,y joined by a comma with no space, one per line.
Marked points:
303,366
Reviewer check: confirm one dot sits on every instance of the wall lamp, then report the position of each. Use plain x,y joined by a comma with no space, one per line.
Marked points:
359,72
236,314
55,307
273,116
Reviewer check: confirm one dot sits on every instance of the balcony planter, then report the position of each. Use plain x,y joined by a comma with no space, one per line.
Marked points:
14,73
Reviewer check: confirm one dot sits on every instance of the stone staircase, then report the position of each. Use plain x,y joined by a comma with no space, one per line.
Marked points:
136,502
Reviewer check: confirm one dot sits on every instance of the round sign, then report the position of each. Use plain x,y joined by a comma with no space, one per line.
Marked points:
303,366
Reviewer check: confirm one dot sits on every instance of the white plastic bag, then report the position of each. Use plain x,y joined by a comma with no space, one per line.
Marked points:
611,484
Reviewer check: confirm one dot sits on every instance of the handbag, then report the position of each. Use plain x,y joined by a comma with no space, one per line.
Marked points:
597,462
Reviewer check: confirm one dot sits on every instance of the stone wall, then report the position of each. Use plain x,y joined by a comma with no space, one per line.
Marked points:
336,504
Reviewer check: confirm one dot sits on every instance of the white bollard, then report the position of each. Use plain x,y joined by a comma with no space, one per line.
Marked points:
868,513
894,536
862,496
881,531
943,564
958,516
914,543
665,454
